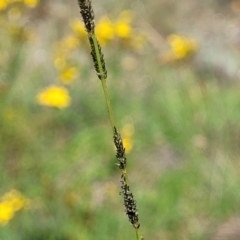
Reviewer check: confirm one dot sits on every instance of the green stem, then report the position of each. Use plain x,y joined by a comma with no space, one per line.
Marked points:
110,111
103,82
107,99
138,235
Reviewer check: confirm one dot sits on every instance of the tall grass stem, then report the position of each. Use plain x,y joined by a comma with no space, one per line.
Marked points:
99,64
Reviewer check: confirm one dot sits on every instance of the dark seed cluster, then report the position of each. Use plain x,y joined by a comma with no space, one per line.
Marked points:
88,19
87,15
122,161
129,203
103,73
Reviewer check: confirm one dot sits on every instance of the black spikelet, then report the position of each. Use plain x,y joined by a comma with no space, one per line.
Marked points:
100,73
87,15
122,161
129,203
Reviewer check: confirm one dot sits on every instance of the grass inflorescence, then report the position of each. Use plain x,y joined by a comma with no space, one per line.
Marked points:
100,67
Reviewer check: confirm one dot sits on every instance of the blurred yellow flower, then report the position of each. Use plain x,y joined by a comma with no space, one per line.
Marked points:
123,30
127,136
31,3
54,96
122,26
127,143
6,213
10,203
181,46
105,30
3,4
68,75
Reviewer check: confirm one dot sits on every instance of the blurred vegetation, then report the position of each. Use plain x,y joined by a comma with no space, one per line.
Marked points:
175,100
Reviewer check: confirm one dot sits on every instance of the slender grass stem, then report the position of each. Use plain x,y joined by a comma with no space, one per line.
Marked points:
105,90
103,82
110,112
99,64
138,235
102,77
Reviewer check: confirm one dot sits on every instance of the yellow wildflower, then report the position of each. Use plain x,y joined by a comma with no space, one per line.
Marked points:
181,46
54,96
105,30
3,4
6,213
9,204
68,75
122,26
31,3
127,137
123,30
127,143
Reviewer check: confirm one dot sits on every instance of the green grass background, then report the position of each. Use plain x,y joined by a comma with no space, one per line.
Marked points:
184,166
